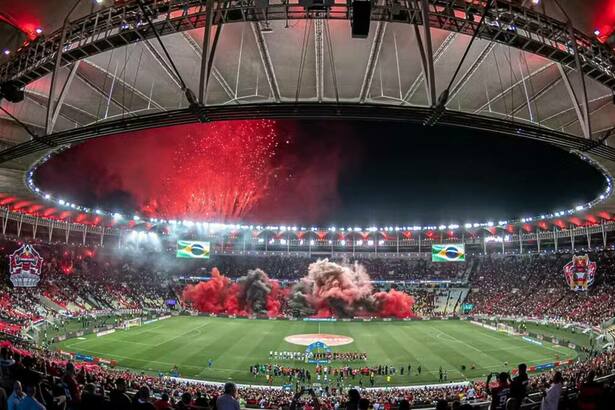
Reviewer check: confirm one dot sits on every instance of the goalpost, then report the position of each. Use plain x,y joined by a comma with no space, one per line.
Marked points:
132,323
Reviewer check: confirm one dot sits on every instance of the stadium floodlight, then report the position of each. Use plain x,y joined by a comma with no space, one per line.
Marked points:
490,223
579,207
117,215
381,242
311,242
47,196
476,225
370,243
601,196
442,227
596,32
343,242
61,201
467,226
38,30
282,241
359,242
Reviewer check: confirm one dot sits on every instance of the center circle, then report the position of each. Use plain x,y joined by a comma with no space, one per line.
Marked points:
326,338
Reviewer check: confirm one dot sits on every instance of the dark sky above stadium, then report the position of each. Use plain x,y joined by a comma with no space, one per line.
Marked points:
323,172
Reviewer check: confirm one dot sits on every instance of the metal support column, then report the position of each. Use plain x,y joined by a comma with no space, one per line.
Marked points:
56,68
603,235
419,242
555,239
431,81
35,228
58,105
204,77
583,121
19,225
5,221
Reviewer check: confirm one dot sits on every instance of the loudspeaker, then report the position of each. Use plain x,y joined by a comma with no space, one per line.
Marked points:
361,14
11,90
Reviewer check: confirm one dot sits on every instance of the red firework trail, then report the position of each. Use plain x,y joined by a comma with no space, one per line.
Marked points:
219,171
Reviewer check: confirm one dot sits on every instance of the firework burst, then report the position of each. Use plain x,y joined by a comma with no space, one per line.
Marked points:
220,171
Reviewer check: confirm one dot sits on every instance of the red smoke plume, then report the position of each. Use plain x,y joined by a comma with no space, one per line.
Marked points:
218,295
329,289
394,304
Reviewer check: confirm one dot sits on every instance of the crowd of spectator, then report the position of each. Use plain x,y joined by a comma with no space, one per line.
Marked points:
534,286
55,383
284,267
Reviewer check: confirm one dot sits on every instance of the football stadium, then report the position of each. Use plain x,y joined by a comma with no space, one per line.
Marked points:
307,204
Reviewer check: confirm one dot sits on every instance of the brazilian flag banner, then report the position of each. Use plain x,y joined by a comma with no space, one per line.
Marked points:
448,253
192,249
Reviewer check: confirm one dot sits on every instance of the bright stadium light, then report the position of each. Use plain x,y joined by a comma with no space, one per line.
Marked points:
370,243
579,207
343,242
117,216
489,223
311,242
467,226
61,201
47,196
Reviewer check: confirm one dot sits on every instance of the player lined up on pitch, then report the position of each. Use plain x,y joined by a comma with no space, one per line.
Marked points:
329,356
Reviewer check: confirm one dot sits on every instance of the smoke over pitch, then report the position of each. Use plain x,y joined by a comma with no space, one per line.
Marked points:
254,293
329,289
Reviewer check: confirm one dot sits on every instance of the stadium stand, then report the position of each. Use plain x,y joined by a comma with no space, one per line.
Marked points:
79,281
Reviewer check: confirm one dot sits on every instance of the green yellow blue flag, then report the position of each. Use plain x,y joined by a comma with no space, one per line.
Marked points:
192,249
448,253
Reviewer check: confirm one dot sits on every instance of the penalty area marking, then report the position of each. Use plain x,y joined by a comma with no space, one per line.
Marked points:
328,339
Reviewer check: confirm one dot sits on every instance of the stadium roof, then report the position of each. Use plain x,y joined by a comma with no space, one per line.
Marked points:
520,75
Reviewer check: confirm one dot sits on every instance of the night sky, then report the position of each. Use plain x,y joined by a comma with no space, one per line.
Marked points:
353,172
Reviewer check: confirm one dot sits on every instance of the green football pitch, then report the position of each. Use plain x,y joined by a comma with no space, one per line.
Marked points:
189,342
